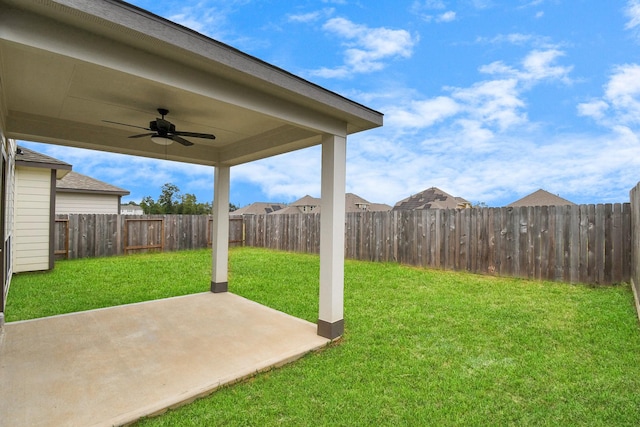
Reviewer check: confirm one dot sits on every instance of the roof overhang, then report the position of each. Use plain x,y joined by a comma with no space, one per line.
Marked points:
67,65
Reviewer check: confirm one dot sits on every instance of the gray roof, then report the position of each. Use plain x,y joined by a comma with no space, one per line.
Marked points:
75,182
540,198
306,201
257,208
353,203
288,211
431,198
33,159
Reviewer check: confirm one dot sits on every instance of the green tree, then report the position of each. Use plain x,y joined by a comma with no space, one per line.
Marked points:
149,206
189,205
169,198
171,201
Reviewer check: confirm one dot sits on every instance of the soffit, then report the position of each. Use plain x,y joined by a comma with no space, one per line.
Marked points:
63,71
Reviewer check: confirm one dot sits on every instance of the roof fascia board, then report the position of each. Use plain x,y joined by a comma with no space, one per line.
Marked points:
87,191
29,164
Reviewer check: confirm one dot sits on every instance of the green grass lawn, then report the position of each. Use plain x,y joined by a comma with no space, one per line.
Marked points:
421,347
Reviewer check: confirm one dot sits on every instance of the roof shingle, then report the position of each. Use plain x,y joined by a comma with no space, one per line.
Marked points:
75,182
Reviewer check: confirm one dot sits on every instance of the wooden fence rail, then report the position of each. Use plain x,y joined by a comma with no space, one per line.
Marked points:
82,236
586,243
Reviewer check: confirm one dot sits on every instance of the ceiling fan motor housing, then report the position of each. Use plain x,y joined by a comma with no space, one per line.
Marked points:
162,126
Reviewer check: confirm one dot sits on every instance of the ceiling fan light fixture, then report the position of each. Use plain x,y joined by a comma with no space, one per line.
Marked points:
161,140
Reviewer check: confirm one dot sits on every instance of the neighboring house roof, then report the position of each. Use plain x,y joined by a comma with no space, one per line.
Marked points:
131,210
379,207
306,201
463,203
353,203
257,208
431,198
540,198
75,182
289,210
29,158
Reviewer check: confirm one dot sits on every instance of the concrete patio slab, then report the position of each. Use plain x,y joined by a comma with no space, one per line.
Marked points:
114,365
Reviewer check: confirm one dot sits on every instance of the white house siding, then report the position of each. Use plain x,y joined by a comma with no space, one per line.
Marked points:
8,149
32,219
85,203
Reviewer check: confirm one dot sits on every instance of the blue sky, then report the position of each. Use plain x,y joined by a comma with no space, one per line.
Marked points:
488,100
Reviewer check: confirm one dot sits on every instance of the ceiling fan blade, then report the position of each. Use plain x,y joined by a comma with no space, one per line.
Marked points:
142,135
195,134
124,124
182,141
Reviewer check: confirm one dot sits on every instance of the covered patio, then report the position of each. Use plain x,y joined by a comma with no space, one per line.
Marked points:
93,74
113,366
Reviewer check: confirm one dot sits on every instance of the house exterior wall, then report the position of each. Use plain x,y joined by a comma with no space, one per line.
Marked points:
7,174
10,208
85,203
32,219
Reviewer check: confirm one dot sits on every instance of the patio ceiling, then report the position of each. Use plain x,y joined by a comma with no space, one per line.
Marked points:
67,65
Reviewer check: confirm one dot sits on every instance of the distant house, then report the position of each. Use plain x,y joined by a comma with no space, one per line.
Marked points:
46,186
257,208
540,198
307,204
432,198
81,194
130,209
353,203
35,199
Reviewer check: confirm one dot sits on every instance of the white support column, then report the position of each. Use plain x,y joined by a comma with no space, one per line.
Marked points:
332,217
220,230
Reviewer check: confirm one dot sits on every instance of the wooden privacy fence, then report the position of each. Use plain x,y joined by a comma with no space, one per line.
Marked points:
586,243
82,236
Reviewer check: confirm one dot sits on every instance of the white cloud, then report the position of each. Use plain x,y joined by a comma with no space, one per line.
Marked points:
633,13
621,99
285,177
537,65
496,104
425,9
310,16
518,39
595,109
211,21
447,17
493,102
367,48
420,114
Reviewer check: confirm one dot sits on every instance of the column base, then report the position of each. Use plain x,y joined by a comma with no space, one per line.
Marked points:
331,330
219,287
